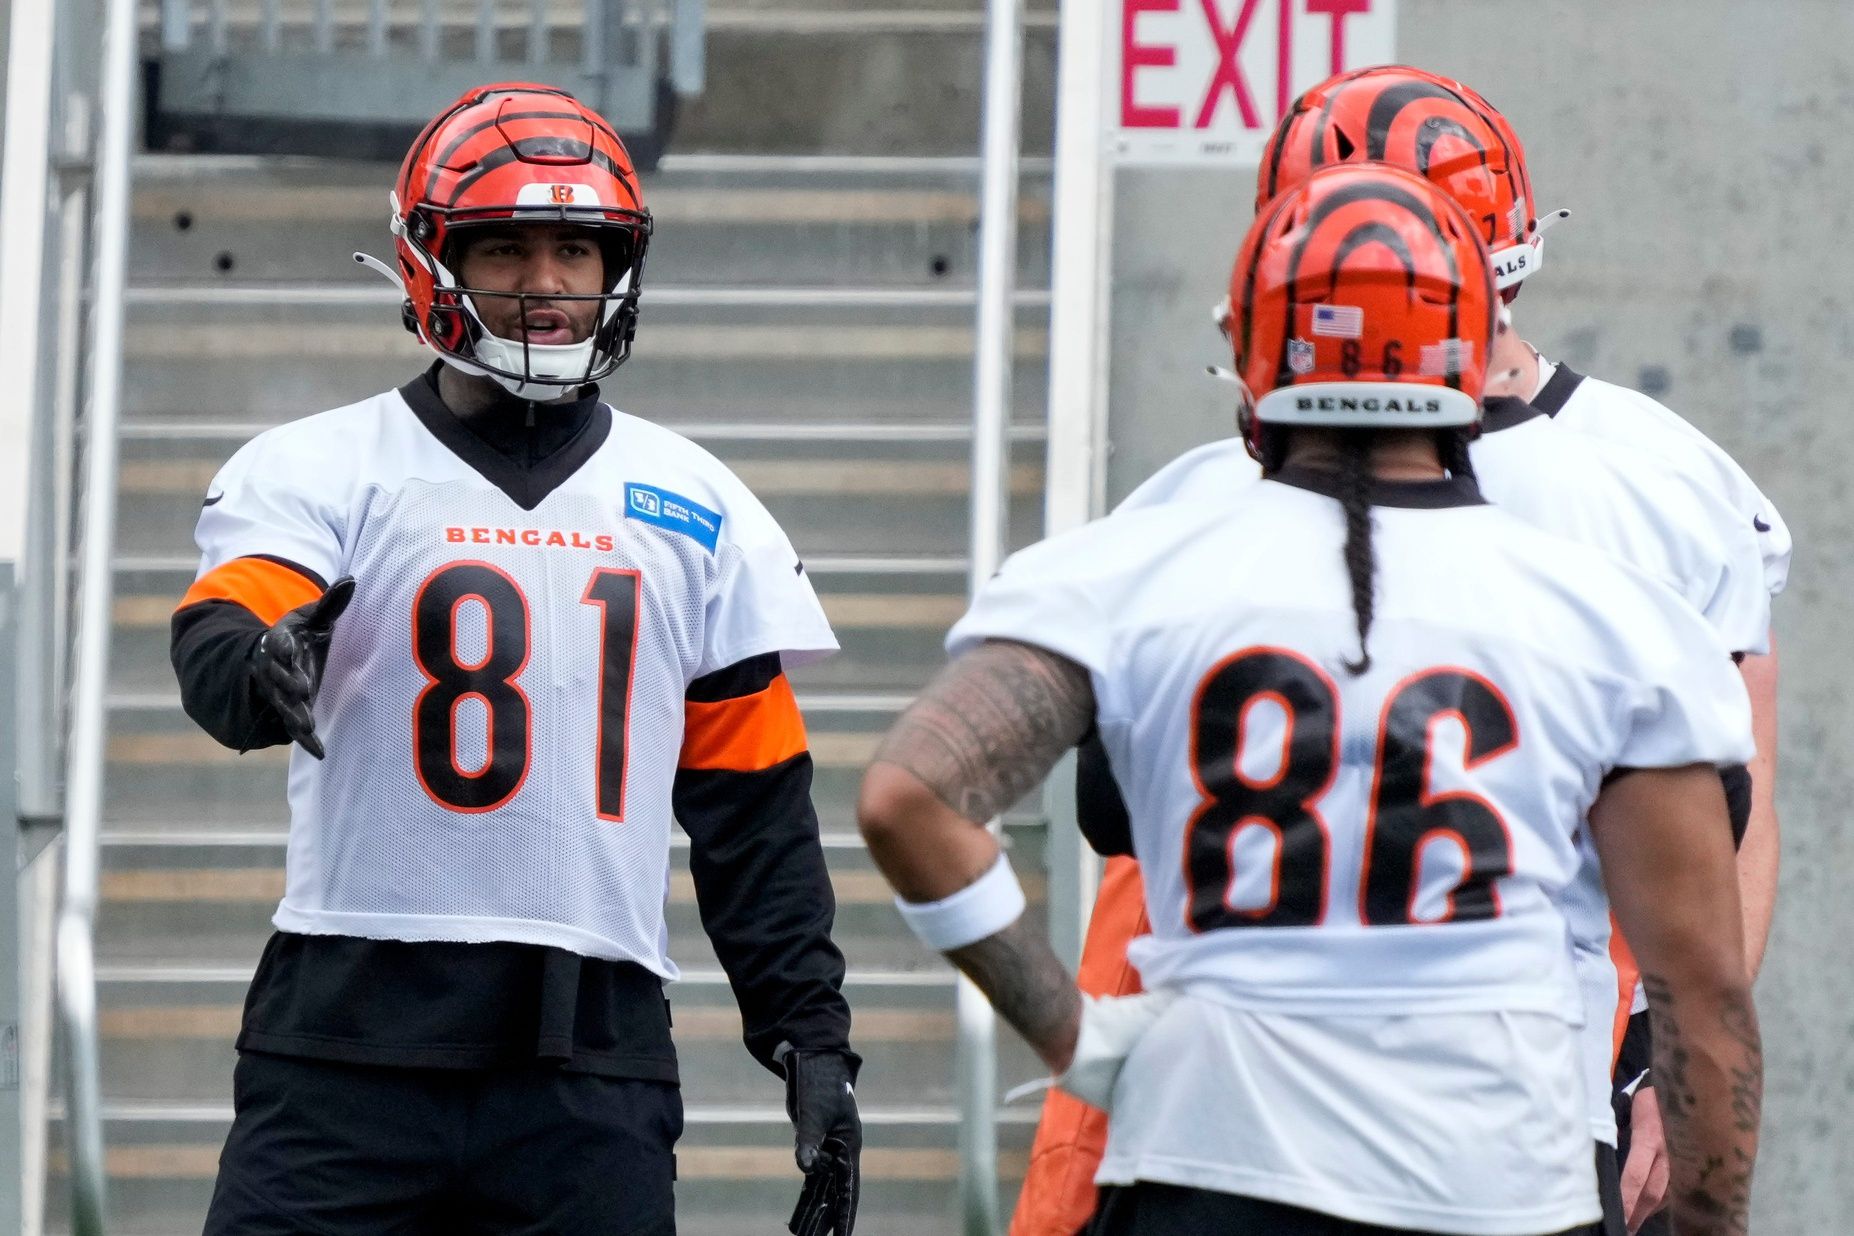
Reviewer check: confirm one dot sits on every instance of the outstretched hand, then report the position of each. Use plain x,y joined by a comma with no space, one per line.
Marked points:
288,660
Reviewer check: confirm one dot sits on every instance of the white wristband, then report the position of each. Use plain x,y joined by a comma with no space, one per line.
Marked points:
982,908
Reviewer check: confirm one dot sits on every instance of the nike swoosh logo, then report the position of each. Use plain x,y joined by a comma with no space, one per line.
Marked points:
212,499
1759,524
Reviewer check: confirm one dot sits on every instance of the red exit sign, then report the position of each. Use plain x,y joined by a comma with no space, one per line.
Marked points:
1204,81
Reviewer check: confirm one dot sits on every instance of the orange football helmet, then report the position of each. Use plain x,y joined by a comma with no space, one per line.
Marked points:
1426,124
527,153
1362,298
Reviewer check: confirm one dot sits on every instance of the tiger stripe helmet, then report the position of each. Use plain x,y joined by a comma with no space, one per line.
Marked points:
1362,298
1429,125
516,151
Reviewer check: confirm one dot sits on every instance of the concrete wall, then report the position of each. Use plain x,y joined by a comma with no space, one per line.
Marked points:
1705,147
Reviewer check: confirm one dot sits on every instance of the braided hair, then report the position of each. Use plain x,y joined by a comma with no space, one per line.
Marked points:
1360,561
1355,480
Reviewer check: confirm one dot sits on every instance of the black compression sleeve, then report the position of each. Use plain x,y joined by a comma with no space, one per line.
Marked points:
211,646
762,887
1100,808
1736,779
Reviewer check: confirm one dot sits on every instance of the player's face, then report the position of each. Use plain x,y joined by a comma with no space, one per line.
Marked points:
541,260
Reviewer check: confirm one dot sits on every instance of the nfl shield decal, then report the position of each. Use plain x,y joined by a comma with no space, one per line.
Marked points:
1300,355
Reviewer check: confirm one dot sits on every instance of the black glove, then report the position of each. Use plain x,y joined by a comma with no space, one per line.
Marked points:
820,1097
286,665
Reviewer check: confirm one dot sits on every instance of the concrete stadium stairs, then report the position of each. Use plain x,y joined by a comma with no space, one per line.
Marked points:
808,317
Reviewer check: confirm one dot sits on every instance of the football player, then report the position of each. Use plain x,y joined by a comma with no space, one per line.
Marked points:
1361,717
1668,513
512,632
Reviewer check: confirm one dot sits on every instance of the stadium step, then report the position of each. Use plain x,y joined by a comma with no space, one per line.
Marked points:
171,1041
748,364
211,905
899,223
831,497
735,1174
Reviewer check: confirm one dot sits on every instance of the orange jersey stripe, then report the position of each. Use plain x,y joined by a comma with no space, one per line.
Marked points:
744,734
1058,1194
268,589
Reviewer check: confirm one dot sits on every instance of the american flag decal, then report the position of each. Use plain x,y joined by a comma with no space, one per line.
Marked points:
1446,359
1338,321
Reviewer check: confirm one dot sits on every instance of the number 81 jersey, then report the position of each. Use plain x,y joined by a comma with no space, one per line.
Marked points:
503,705
1393,841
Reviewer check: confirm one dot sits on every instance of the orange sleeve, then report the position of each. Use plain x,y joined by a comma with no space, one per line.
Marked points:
1627,975
1058,1195
744,734
268,587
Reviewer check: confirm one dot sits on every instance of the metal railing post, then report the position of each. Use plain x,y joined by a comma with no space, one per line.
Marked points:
376,27
1076,451
25,221
486,30
429,22
323,30
689,47
537,32
76,944
176,24
996,330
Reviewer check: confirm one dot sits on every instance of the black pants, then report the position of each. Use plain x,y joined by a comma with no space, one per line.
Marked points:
1147,1209
1609,1190
327,1149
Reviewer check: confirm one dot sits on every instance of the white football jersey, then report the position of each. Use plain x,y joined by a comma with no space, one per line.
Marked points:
503,702
1618,414
1608,495
1327,846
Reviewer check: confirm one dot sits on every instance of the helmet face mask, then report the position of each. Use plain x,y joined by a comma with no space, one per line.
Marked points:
514,155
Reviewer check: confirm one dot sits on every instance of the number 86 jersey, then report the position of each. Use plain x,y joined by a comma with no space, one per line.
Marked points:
1315,841
506,700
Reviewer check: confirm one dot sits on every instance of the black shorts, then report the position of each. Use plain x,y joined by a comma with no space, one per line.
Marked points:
320,1148
1147,1209
1609,1190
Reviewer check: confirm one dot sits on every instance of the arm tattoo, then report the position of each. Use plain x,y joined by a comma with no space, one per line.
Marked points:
991,726
1019,973
1711,1089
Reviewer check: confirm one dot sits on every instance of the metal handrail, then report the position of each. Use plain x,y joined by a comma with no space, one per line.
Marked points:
76,933
977,1048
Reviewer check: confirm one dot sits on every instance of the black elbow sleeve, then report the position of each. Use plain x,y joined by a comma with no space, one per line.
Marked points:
1100,807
